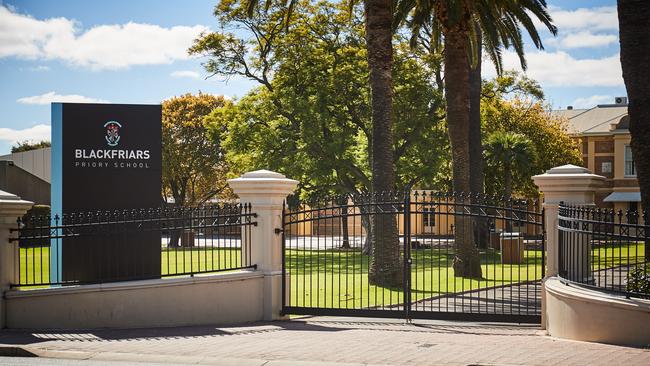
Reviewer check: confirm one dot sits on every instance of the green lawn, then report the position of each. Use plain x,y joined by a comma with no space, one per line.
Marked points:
35,263
339,278
616,255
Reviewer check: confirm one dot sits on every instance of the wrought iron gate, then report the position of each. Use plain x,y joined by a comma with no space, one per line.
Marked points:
422,241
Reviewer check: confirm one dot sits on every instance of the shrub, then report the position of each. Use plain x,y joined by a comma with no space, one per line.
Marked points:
638,280
38,215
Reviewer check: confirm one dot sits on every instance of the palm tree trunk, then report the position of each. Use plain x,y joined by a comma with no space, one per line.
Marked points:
634,28
475,143
481,229
466,262
385,268
507,192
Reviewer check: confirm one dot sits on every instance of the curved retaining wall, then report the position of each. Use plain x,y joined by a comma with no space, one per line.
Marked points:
578,313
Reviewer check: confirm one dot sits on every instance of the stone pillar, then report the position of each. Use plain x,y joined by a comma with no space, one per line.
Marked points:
569,184
266,192
11,207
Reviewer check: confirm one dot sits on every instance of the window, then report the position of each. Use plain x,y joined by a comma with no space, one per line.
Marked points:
606,167
429,217
630,170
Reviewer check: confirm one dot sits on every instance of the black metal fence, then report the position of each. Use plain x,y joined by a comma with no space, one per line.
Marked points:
605,249
125,245
331,257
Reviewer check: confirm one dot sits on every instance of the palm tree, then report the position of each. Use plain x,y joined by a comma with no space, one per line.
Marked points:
634,29
459,22
510,152
385,267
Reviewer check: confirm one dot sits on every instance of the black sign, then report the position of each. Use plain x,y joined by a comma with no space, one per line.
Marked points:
106,157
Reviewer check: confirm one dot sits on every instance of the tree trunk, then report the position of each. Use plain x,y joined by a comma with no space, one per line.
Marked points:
476,164
345,230
475,143
385,268
466,261
366,225
175,234
634,28
507,193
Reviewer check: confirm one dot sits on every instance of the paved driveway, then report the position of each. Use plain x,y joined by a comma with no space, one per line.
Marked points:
327,340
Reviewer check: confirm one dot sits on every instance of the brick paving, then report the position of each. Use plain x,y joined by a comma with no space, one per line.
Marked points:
329,340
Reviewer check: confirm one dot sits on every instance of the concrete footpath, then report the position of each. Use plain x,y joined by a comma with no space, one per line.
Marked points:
316,341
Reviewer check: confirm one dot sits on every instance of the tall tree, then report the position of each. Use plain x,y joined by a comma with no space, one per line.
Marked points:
385,267
314,71
460,22
512,103
194,168
510,152
634,28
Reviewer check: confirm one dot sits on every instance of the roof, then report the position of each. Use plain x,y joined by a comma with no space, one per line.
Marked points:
623,197
596,120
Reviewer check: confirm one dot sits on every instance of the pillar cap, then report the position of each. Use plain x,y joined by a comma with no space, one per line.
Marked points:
568,178
262,183
568,169
569,183
12,206
263,173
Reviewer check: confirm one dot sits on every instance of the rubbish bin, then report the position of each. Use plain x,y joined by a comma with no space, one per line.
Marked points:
512,248
187,239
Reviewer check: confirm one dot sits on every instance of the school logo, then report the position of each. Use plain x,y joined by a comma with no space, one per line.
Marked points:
112,132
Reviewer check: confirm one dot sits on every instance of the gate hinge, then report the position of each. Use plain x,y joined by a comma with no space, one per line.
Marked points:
278,231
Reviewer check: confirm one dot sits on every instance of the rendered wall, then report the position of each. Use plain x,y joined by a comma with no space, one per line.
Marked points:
19,181
217,299
36,162
585,315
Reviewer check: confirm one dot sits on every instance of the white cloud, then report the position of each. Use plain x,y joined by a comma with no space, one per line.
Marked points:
592,101
102,47
597,18
185,74
561,69
40,68
52,97
583,39
39,132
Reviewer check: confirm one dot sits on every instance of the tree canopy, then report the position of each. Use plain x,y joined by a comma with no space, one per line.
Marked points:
194,169
310,118
29,145
512,103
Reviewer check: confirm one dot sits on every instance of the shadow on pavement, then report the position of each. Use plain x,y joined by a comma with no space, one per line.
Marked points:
305,324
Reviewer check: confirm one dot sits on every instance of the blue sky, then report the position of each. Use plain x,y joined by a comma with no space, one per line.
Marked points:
134,52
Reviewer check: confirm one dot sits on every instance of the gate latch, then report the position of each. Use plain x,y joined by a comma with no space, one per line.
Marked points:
278,231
